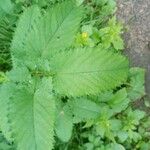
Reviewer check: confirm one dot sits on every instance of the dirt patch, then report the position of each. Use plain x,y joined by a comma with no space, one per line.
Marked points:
135,14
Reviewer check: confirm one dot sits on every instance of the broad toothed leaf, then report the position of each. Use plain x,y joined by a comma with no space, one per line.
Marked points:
32,115
84,109
24,26
119,101
5,94
88,71
53,32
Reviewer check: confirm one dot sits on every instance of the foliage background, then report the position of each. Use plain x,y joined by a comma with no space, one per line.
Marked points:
130,122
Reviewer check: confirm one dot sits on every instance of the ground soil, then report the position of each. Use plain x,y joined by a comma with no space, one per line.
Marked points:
135,14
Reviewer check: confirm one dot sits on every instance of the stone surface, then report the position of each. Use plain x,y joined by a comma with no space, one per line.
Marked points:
135,14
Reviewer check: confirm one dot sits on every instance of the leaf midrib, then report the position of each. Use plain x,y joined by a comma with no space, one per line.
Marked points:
89,72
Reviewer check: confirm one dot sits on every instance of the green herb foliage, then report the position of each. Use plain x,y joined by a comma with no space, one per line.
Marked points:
69,87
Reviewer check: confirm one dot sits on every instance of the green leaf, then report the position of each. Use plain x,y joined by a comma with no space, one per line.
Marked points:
88,71
7,23
89,146
4,145
135,136
55,31
101,2
119,101
21,74
132,119
118,43
117,146
122,135
41,3
79,2
3,77
105,97
64,124
84,109
139,115
112,35
144,145
137,80
5,94
107,127
87,29
32,115
6,7
29,17
109,8
147,102
115,124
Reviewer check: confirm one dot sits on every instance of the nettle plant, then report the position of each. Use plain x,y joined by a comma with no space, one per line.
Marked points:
50,78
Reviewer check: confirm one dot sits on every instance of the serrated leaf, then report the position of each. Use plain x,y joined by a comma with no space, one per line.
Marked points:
135,136
32,115
111,35
55,31
122,135
115,124
21,74
109,8
84,109
119,101
105,97
5,94
137,80
139,114
88,71
29,17
133,118
107,127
